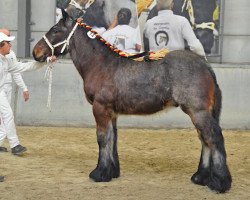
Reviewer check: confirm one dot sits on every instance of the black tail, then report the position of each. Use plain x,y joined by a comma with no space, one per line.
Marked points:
217,98
217,105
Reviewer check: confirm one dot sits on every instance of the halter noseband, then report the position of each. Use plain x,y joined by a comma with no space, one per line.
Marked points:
65,42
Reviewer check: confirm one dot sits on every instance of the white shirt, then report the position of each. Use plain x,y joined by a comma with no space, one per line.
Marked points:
7,66
99,30
123,37
16,76
169,31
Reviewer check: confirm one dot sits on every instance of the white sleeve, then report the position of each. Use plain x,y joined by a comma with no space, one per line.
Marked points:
29,66
17,77
138,36
188,34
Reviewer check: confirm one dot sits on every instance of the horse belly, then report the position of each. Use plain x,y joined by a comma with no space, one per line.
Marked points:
142,105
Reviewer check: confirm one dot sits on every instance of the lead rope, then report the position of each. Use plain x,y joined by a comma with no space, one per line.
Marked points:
49,77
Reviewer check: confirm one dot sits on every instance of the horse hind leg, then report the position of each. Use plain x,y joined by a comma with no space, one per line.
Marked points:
201,177
108,163
212,170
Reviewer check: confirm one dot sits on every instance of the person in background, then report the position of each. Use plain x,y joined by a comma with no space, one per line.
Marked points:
6,65
123,36
169,31
8,87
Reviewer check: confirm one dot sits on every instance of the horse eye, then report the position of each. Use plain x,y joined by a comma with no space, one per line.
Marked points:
56,30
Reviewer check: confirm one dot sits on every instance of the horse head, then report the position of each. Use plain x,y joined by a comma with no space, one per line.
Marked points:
91,11
56,40
94,15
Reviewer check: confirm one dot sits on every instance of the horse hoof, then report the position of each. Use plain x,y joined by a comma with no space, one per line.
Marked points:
115,171
200,178
116,174
219,184
100,176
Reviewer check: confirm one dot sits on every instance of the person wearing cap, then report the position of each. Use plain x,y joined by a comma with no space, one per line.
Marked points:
6,65
17,77
169,31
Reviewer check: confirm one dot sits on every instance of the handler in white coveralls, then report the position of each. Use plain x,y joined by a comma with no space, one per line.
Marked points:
8,85
169,31
6,66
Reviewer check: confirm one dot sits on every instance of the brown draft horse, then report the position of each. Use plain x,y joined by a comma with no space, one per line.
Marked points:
116,85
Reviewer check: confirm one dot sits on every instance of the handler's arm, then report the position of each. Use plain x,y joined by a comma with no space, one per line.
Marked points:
17,77
29,66
188,34
22,67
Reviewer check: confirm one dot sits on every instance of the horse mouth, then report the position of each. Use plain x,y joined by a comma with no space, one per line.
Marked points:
41,58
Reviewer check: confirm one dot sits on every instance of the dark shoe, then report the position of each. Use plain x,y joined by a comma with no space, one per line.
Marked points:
3,149
1,178
18,150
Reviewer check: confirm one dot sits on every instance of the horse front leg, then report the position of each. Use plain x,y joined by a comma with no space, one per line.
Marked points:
213,170
108,162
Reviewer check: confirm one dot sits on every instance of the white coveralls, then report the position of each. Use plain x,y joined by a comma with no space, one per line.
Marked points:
8,91
169,31
6,66
123,37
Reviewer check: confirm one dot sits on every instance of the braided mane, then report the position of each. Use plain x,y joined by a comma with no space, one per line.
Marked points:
144,56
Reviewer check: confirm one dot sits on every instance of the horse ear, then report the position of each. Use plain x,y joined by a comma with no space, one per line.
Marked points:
64,14
103,4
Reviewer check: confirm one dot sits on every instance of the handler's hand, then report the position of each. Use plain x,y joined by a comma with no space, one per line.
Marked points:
26,95
51,59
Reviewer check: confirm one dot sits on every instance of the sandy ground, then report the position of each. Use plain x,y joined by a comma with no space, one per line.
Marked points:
155,164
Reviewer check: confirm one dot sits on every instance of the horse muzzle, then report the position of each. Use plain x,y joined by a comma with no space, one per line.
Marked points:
39,55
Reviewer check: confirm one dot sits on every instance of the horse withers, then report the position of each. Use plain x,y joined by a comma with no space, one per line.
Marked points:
117,85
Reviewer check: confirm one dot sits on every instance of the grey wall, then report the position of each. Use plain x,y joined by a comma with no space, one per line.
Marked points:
70,108
236,36
8,17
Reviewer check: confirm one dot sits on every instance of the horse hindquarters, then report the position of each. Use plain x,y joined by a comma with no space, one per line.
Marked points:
199,96
108,163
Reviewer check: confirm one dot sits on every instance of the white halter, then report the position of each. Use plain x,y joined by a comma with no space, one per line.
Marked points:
65,42
48,73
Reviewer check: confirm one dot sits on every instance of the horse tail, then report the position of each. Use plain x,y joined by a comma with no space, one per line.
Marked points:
217,98
217,104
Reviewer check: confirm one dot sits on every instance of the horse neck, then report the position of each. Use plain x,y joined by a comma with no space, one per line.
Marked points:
88,54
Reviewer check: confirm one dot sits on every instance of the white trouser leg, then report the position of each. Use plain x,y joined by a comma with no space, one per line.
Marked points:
8,91
8,127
